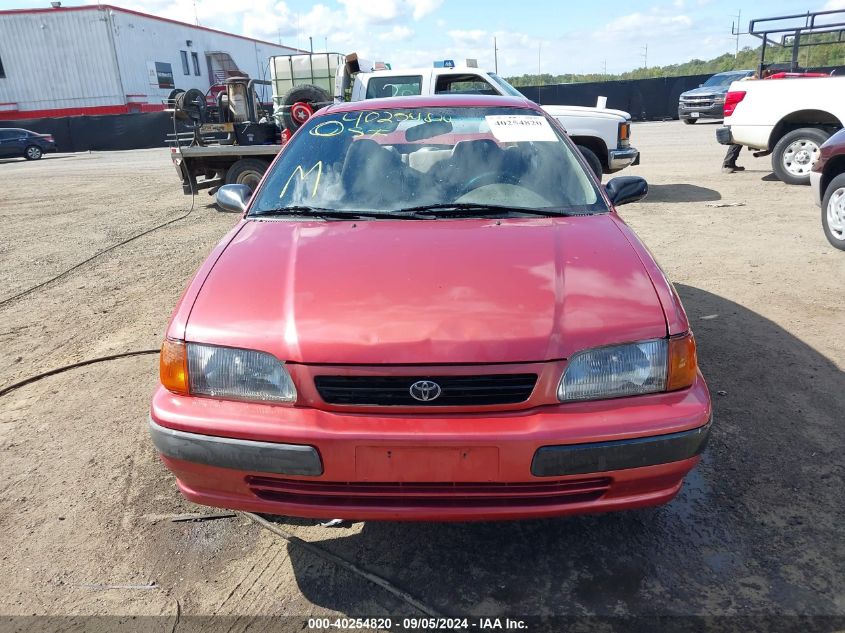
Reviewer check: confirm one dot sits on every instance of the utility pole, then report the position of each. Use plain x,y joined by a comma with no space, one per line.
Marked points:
539,52
311,44
604,69
736,30
645,56
495,57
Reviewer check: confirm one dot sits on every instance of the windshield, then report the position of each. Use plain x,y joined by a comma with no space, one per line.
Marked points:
723,80
399,159
504,85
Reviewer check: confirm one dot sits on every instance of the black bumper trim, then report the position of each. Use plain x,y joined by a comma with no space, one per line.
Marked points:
225,452
724,136
599,457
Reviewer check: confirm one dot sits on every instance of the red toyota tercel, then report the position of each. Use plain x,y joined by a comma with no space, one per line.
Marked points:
430,310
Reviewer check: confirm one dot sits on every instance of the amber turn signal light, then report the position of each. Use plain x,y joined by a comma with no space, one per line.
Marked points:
173,366
683,363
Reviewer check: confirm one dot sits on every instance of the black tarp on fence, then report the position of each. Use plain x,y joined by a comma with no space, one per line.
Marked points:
108,132
644,99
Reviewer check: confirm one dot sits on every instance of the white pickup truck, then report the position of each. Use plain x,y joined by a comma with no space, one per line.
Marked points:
603,135
789,118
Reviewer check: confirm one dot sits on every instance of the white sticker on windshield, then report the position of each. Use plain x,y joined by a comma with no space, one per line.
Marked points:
513,128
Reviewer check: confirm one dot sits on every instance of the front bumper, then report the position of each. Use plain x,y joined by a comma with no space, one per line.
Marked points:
716,111
621,158
547,461
816,184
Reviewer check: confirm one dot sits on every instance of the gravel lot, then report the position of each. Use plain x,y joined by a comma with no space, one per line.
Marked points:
85,504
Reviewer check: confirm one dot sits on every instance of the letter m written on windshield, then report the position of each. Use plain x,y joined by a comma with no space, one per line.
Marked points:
303,178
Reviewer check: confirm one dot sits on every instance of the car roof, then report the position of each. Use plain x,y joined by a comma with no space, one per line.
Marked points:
452,101
403,72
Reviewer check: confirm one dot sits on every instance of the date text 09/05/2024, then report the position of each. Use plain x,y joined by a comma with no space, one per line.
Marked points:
409,624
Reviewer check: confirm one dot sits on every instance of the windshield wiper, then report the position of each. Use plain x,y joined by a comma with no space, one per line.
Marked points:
322,212
453,209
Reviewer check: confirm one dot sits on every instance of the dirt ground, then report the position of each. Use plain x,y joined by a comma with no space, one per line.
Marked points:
85,505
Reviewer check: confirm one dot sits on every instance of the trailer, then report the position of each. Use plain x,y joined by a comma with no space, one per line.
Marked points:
233,136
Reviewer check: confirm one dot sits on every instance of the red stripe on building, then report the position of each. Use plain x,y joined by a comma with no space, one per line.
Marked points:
53,113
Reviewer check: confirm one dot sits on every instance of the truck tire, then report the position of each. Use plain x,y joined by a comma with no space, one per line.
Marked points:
300,102
33,152
833,212
592,160
247,171
795,153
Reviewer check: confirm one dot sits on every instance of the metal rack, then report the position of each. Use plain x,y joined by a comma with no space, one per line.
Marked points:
792,28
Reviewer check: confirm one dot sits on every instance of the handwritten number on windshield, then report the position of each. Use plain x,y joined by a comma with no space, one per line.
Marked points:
367,123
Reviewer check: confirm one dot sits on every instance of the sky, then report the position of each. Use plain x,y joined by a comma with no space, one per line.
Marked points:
552,36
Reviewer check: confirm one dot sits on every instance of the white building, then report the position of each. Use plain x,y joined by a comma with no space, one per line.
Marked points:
100,59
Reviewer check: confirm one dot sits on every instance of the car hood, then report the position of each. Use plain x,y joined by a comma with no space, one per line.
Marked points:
427,291
709,91
584,111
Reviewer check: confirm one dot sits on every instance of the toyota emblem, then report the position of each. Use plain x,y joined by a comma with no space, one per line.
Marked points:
425,390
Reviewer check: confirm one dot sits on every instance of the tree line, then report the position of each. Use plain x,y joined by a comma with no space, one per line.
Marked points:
748,58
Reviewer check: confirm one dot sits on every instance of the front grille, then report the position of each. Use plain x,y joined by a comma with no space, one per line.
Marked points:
454,390
697,102
427,495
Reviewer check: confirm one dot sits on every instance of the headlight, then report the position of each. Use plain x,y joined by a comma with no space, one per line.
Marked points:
240,374
631,369
616,371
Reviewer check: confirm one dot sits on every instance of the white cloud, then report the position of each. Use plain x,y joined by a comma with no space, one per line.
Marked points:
833,5
397,33
422,8
464,38
635,25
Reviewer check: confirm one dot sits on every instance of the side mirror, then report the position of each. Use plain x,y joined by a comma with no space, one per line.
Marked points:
625,189
234,198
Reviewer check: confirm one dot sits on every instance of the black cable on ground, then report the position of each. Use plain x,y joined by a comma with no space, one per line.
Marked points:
96,255
345,564
82,363
110,248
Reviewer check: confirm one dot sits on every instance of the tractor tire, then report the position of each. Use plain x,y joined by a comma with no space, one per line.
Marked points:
247,171
300,102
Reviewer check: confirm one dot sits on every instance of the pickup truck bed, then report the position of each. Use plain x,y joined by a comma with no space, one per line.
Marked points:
790,118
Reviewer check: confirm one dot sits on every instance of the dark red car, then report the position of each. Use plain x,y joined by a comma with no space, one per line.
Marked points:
430,311
828,181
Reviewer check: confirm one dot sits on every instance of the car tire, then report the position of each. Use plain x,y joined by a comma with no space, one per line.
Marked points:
833,212
795,153
300,102
690,121
33,152
247,171
592,160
